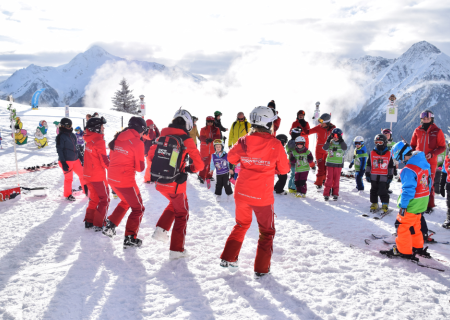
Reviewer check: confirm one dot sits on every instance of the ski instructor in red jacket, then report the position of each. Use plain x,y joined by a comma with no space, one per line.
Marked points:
127,158
323,130
208,134
261,155
429,139
94,173
175,192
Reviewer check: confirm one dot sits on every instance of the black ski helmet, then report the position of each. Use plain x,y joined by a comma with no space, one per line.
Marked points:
95,124
295,133
283,138
325,118
380,138
65,122
138,124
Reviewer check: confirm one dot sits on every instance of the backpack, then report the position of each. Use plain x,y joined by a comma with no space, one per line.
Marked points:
166,164
245,126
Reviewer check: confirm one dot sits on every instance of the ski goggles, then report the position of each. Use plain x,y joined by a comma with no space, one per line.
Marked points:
336,136
426,115
67,126
320,120
299,143
387,131
379,143
357,143
218,141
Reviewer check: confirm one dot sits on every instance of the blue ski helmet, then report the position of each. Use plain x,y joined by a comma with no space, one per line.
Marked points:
400,149
336,133
77,129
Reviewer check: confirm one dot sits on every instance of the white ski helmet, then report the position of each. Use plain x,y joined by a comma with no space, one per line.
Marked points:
358,139
263,117
186,116
300,139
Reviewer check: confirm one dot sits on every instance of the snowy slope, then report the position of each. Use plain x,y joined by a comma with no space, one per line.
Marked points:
65,85
52,268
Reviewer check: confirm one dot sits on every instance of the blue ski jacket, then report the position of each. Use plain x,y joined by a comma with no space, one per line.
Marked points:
363,160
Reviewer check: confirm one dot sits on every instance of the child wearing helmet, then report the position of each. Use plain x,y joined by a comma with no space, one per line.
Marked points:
290,146
359,160
335,146
390,144
208,134
80,143
219,161
413,201
301,157
379,172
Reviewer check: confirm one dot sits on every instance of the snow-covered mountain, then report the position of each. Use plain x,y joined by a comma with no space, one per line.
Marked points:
65,85
420,79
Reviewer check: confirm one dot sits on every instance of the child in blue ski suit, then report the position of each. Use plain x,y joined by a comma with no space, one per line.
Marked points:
359,160
80,143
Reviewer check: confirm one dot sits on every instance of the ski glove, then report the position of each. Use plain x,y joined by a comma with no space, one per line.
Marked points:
65,166
208,141
350,165
182,177
302,122
188,169
368,178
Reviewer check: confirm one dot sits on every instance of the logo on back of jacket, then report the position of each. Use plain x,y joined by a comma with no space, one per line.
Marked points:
119,149
334,153
220,164
379,164
164,153
424,181
255,161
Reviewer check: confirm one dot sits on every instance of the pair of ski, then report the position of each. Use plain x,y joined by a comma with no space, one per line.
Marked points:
383,237
420,264
384,214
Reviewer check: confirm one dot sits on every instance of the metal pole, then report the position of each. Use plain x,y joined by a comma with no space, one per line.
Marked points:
122,122
11,100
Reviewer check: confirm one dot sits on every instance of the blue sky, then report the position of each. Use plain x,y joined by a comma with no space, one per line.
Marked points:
205,37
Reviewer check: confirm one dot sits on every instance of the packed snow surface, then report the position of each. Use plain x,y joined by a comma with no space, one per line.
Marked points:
52,268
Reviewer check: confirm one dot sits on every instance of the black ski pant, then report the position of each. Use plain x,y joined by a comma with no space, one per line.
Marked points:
223,181
281,183
379,189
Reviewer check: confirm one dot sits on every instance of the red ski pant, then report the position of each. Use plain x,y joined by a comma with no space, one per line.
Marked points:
68,175
266,222
98,202
178,210
332,181
408,232
321,157
130,198
204,174
433,175
147,175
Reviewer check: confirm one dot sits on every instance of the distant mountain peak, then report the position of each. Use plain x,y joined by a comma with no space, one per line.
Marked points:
421,49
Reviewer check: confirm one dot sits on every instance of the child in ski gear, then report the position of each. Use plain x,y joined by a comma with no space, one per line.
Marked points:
282,178
390,144
323,131
219,161
260,155
178,207
359,160
39,138
301,124
429,139
277,122
335,146
208,134
66,147
379,172
80,143
445,186
239,128
96,163
127,158
413,200
301,157
149,138
194,132
296,132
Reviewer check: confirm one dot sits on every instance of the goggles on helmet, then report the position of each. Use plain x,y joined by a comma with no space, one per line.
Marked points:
320,120
67,126
387,131
426,115
379,143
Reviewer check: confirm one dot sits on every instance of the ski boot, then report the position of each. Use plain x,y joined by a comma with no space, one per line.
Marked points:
427,238
429,211
109,229
131,241
97,229
292,191
177,254
160,234
395,253
71,198
232,266
384,207
335,198
446,224
282,193
299,195
201,180
389,191
212,179
259,275
422,252
326,198
319,188
374,207
88,225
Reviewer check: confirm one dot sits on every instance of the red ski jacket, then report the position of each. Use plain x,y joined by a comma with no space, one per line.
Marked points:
322,135
260,156
191,149
431,141
208,132
126,158
95,158
297,124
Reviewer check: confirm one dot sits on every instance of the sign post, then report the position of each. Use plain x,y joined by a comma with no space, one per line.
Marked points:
141,110
392,110
67,112
13,123
315,122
